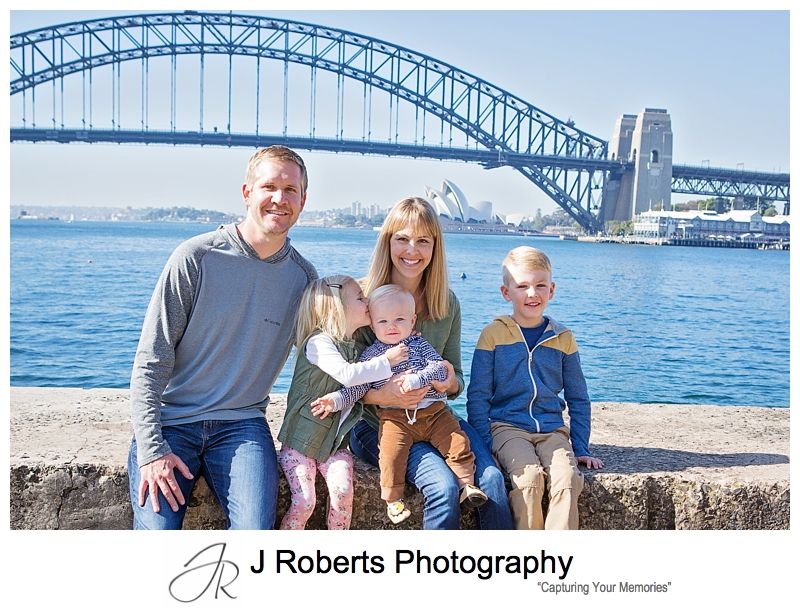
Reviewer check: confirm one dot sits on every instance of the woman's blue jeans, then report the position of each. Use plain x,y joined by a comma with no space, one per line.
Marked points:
238,461
429,473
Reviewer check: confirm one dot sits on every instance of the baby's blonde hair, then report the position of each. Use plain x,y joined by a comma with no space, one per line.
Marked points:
322,309
394,292
527,259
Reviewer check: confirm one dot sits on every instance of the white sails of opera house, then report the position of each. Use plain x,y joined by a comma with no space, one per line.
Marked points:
451,203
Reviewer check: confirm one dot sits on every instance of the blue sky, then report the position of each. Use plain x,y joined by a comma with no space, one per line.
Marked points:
722,76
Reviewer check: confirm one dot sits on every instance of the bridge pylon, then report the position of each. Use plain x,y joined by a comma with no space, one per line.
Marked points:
643,145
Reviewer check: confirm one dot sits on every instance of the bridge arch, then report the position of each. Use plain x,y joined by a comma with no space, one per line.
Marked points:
493,127
484,112
496,127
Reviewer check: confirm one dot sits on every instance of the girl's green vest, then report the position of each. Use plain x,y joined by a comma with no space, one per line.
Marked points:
314,437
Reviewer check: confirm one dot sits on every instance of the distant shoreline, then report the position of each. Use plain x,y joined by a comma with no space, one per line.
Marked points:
469,229
450,228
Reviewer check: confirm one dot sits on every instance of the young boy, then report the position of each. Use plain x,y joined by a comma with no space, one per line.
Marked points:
392,313
521,364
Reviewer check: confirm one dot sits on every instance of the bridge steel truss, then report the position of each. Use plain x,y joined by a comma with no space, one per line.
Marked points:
494,127
564,161
720,182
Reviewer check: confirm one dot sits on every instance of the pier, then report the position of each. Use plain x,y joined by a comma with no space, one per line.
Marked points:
728,243
675,241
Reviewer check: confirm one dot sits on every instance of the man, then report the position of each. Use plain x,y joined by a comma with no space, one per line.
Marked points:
216,334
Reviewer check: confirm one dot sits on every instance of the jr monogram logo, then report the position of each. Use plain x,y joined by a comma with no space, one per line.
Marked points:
204,569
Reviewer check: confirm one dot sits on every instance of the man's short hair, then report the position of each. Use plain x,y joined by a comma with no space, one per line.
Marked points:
527,259
278,153
392,292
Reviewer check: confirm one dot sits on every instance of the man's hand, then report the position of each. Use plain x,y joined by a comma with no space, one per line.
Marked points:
589,461
158,475
323,406
393,395
449,385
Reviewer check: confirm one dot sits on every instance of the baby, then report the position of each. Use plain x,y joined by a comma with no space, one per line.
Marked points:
392,314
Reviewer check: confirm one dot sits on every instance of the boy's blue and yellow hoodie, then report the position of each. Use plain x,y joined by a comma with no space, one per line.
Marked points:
510,384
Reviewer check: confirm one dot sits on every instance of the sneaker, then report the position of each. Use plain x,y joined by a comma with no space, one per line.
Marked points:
472,496
397,511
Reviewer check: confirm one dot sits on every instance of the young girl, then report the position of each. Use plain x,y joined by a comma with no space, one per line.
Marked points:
331,309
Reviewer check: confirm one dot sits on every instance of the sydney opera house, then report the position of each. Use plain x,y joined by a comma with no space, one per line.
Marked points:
455,210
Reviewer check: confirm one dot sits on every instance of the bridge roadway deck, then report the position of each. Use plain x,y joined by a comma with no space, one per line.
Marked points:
489,158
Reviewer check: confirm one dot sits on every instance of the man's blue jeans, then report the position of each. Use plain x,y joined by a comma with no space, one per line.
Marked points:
238,461
429,473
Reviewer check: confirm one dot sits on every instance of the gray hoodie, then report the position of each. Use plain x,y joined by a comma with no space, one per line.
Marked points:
216,335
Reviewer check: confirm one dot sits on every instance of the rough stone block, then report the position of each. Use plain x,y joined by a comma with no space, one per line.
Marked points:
666,467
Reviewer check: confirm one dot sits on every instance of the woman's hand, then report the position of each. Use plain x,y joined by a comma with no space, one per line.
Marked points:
449,385
393,395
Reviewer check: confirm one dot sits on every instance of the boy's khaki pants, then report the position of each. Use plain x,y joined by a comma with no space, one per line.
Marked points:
531,458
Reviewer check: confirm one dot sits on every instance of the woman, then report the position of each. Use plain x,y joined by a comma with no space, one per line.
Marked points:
410,252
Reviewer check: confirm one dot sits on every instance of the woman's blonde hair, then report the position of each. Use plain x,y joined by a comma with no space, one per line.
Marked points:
420,215
322,309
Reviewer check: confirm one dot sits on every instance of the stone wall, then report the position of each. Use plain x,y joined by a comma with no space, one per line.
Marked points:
667,467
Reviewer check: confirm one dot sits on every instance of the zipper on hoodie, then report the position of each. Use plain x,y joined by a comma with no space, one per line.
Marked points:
530,370
530,374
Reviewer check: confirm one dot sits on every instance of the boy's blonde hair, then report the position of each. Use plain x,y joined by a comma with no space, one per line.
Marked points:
527,259
393,292
322,309
417,213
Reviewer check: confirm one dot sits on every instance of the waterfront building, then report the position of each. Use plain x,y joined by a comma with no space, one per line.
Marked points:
515,218
451,203
741,225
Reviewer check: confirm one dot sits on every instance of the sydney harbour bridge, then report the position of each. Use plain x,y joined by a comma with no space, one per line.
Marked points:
222,79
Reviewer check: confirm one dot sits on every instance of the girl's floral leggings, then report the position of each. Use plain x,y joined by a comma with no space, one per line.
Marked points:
301,472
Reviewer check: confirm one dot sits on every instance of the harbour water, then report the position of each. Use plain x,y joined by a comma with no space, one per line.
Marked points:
675,325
